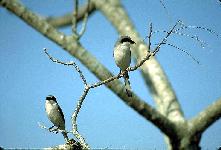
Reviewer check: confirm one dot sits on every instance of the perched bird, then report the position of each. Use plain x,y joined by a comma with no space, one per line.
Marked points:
122,57
55,114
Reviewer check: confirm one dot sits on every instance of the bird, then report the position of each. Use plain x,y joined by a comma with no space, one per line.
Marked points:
55,114
122,57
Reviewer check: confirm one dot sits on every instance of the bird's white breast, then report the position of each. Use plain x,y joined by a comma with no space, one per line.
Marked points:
122,56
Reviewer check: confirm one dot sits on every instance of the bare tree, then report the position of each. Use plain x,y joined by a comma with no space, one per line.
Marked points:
180,132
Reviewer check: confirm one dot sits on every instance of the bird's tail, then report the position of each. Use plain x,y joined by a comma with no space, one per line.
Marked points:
64,133
127,85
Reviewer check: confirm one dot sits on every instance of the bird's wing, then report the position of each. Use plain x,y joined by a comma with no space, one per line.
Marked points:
61,112
130,52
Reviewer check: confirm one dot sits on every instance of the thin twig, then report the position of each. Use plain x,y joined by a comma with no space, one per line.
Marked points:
74,119
83,27
164,39
94,85
188,54
74,19
183,26
202,43
149,37
71,63
55,130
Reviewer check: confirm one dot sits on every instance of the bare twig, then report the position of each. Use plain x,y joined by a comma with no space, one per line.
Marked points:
74,120
74,20
71,63
94,85
83,28
164,39
149,37
202,43
54,130
183,26
188,54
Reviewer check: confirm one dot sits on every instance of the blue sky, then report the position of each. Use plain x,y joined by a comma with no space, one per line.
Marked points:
27,76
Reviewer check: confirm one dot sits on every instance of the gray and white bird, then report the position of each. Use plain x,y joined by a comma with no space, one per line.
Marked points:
55,114
122,57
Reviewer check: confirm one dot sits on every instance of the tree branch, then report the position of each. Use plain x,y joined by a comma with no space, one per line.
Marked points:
66,19
206,118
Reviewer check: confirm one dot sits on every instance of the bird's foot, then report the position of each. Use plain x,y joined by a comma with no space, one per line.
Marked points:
51,129
56,130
